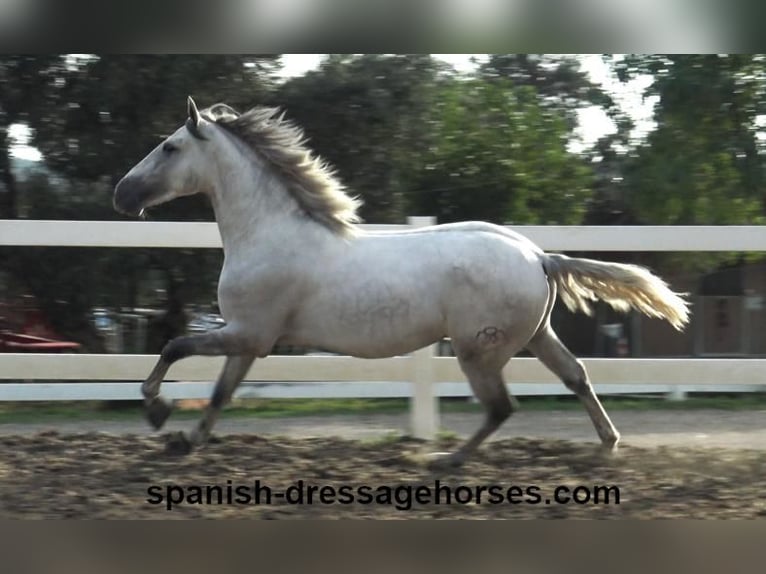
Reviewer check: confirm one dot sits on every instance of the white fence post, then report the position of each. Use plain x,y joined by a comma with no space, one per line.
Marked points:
676,393
424,402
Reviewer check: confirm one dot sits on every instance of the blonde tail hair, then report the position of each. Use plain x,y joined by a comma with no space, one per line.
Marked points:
624,287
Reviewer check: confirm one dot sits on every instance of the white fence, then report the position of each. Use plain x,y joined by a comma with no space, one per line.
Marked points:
421,376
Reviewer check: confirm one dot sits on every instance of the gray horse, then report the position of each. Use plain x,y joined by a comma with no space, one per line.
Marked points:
298,271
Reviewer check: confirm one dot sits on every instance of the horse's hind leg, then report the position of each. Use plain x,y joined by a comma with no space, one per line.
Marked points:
234,370
553,354
489,387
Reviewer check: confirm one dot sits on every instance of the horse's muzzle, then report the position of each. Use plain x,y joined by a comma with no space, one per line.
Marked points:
131,195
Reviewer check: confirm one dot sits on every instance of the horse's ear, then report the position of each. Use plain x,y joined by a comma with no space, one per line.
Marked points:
192,123
191,110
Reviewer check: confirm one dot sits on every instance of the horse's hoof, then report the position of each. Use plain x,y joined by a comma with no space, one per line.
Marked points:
444,461
608,449
610,446
178,445
157,412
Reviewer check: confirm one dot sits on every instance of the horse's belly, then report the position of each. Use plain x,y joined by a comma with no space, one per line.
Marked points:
381,329
377,348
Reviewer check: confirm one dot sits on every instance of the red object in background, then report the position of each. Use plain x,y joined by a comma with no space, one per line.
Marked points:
27,331
35,325
622,347
20,343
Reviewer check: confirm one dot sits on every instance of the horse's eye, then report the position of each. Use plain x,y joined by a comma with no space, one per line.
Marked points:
168,147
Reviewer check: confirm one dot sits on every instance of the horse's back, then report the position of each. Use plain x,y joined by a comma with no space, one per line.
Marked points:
468,255
456,280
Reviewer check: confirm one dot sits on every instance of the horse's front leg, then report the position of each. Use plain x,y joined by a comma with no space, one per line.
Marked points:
234,371
220,342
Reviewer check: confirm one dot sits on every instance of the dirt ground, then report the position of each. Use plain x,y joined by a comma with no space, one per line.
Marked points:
696,472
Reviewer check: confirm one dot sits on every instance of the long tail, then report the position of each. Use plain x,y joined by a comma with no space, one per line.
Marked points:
622,286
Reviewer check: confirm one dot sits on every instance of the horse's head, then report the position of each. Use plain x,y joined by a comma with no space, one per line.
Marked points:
174,168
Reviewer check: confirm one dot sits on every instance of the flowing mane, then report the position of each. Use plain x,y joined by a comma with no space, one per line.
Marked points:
309,179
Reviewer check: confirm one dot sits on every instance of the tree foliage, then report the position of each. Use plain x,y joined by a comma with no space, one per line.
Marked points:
704,162
409,135
367,116
496,154
558,80
104,113
24,80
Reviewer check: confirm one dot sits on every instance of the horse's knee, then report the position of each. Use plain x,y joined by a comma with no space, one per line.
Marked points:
177,349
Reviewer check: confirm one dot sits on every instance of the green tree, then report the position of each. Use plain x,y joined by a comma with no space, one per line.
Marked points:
559,81
25,81
106,112
496,154
368,116
564,87
704,163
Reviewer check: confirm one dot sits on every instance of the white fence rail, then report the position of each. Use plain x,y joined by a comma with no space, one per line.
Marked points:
549,237
53,377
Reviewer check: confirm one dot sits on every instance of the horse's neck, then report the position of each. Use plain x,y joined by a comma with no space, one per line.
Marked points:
257,218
